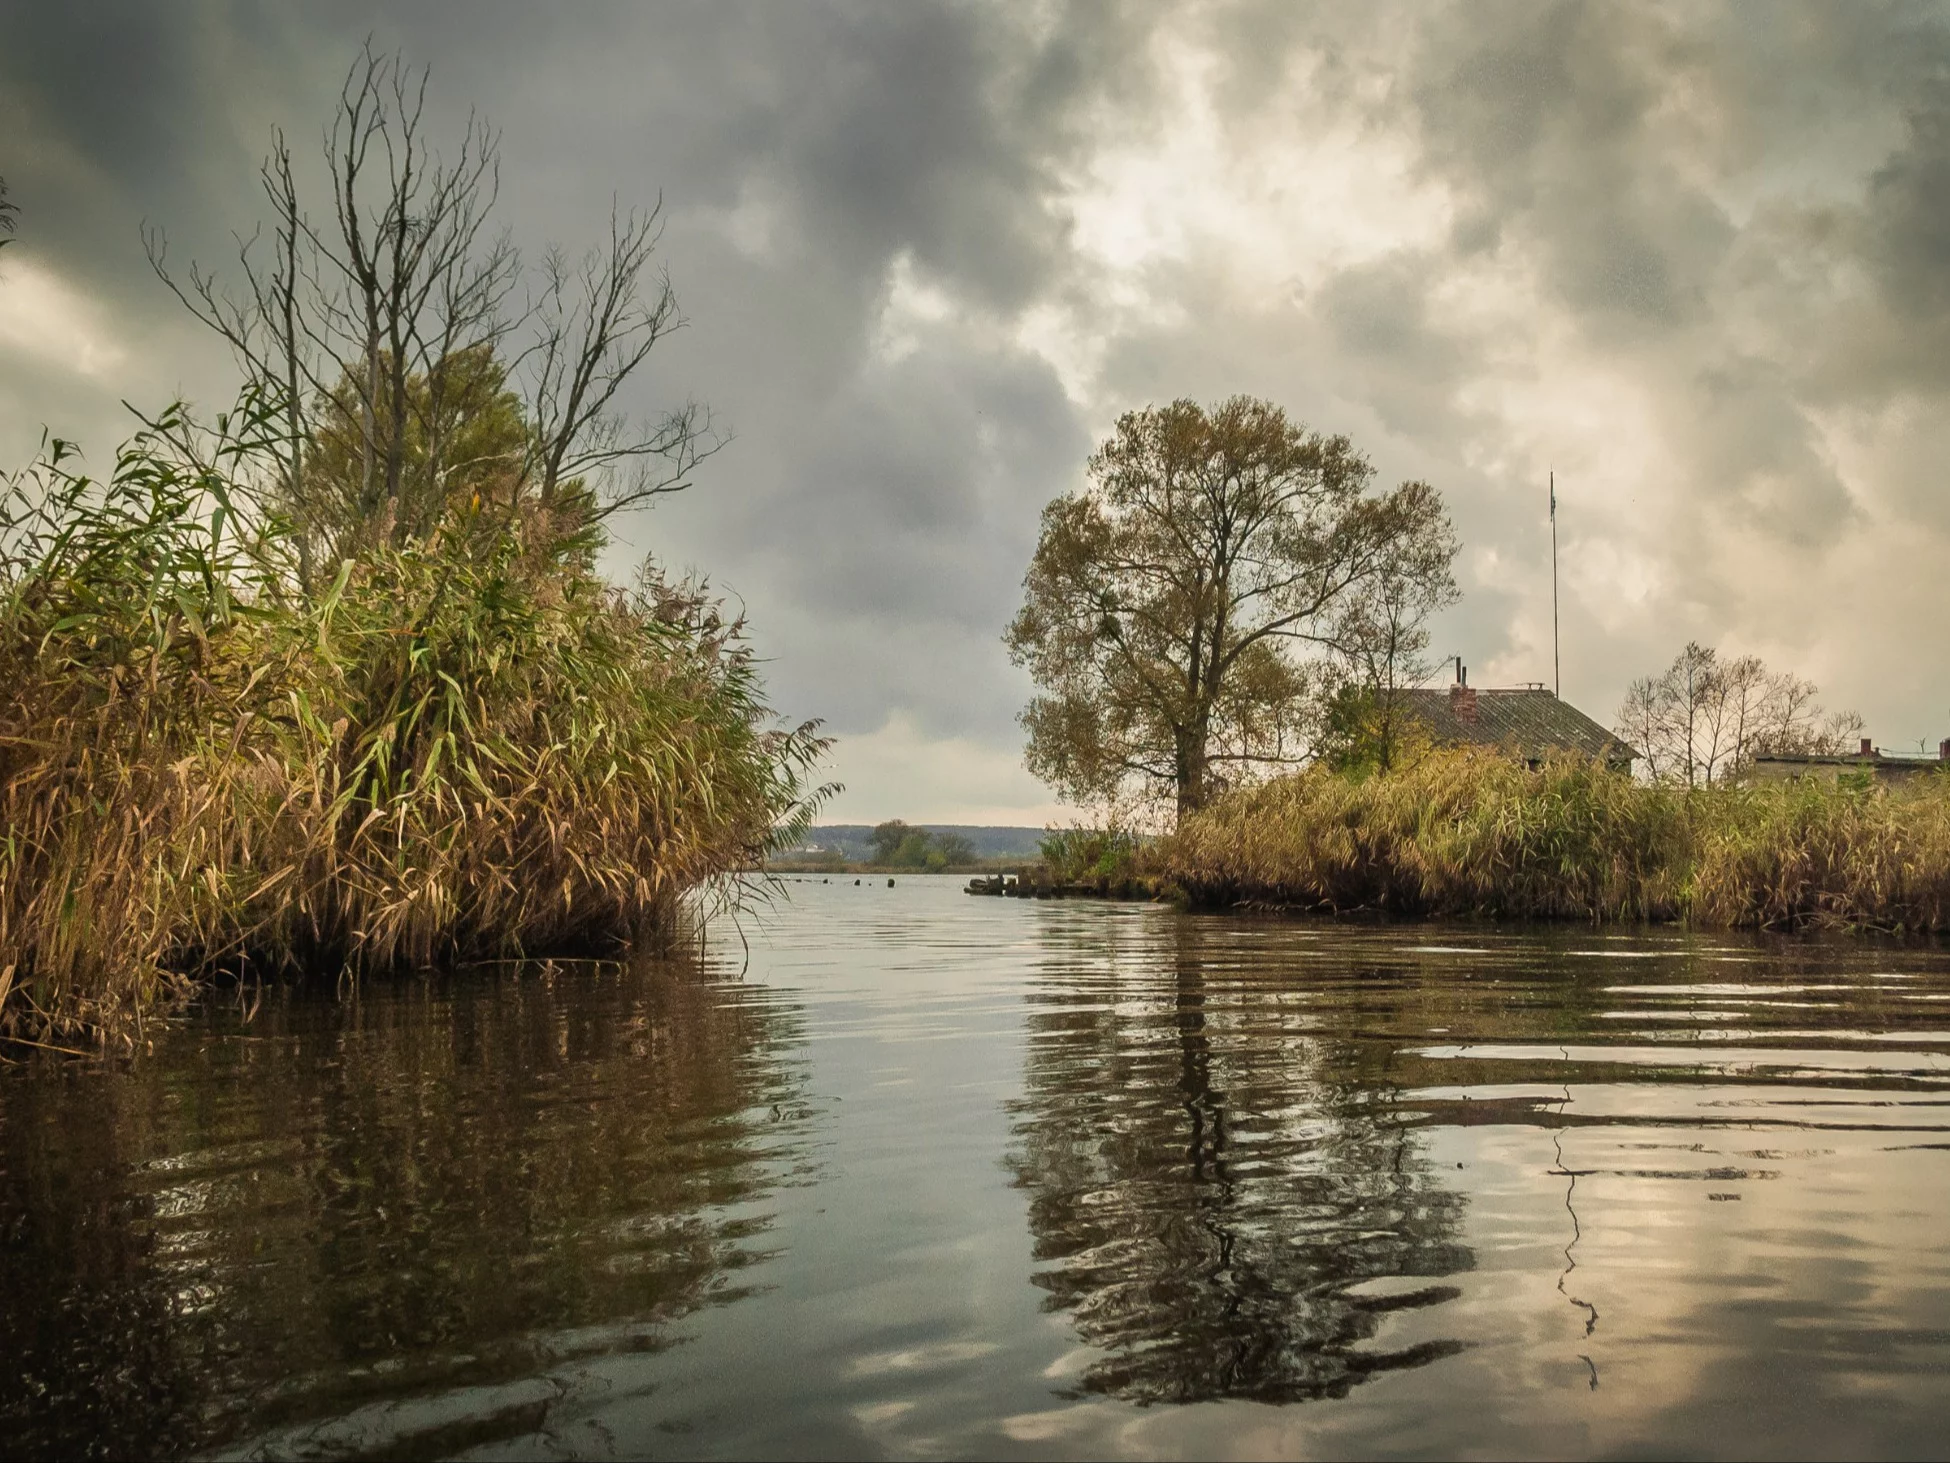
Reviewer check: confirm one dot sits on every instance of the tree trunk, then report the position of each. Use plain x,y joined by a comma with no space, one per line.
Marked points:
1189,768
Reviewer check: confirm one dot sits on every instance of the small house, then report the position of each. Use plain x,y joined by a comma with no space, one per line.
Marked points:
1881,766
1527,721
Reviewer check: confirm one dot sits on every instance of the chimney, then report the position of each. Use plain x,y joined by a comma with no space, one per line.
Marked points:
1868,748
1462,702
1943,751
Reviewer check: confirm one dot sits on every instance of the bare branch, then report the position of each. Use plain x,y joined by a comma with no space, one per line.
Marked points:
9,216
387,327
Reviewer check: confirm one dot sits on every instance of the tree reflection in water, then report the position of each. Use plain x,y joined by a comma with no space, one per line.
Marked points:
1213,1169
428,1186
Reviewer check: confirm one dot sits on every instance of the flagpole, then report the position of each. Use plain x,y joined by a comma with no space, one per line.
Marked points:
1557,668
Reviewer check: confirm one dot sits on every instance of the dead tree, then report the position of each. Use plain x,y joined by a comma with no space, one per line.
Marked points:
357,321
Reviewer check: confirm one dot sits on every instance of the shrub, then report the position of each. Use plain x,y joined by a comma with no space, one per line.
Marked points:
1076,854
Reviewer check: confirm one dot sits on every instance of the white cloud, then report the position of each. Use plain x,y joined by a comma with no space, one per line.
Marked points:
48,321
911,306
900,772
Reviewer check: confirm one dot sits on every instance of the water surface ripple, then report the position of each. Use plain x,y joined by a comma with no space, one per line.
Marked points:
922,1175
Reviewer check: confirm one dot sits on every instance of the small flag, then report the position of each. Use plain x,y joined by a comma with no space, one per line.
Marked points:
1553,497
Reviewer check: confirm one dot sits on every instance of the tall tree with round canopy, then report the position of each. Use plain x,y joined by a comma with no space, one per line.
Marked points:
1177,608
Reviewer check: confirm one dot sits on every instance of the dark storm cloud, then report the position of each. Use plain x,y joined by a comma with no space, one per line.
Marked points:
1378,315
1903,240
907,498
1539,115
111,78
115,113
940,131
1909,205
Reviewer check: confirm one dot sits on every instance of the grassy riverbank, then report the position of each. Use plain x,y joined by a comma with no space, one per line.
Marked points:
469,746
1467,833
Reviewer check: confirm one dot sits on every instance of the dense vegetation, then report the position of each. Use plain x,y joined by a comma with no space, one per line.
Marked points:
1083,855
898,845
1475,833
466,744
336,684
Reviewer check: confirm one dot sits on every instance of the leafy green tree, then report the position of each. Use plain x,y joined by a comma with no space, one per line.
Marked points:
1084,853
952,849
1365,727
462,441
915,850
899,845
889,838
1181,612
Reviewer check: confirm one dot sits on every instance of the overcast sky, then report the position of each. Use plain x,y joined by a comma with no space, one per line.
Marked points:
1695,259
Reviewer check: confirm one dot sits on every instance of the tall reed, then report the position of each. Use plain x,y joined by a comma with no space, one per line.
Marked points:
1472,832
468,746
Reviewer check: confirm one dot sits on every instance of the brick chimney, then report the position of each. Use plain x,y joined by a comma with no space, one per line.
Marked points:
1868,747
1462,695
1943,751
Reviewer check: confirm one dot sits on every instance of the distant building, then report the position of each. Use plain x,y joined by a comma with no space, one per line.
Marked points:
1880,765
1526,721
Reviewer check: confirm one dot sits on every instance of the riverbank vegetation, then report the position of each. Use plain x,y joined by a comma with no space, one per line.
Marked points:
1228,632
1082,855
465,746
336,683
1471,832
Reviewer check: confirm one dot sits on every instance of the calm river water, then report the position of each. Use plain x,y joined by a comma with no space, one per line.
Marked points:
929,1175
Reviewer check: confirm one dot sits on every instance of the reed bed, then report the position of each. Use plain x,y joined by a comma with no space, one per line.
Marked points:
1472,833
461,748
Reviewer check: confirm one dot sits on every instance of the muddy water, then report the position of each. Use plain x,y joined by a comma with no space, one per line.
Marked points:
926,1175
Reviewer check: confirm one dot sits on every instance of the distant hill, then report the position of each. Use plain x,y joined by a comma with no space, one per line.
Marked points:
855,840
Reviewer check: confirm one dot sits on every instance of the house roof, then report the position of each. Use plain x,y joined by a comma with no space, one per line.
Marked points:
1530,721
1874,758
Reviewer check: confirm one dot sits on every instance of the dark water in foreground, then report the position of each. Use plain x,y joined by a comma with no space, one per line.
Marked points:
941,1176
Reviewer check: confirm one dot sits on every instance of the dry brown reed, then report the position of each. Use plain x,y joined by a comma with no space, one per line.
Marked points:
447,755
1475,833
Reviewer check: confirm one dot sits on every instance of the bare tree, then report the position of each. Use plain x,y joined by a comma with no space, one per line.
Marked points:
1704,720
596,323
1642,724
380,324
9,212
1381,641
1727,698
